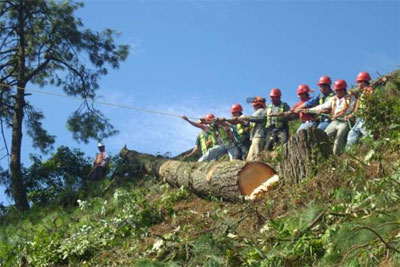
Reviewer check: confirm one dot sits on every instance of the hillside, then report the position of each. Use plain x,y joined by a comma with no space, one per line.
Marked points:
348,214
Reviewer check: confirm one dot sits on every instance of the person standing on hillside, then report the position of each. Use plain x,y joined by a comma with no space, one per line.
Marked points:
277,125
240,131
362,92
257,128
307,120
341,105
326,93
100,163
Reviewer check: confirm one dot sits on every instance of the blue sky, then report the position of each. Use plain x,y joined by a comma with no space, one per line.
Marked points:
197,57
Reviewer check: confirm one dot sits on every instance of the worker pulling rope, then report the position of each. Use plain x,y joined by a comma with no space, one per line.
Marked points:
98,102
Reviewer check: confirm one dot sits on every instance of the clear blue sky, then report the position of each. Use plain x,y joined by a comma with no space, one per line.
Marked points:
197,57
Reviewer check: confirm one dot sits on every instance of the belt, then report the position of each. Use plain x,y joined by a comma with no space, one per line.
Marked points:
309,121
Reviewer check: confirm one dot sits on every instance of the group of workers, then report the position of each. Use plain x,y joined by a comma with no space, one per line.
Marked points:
336,111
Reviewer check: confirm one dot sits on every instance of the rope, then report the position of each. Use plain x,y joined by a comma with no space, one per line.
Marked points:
98,102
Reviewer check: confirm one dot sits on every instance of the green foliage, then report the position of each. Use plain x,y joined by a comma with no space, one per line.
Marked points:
41,139
382,113
65,171
101,224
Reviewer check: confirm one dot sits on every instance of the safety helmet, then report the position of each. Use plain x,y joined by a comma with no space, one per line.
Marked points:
259,101
339,85
363,76
100,145
324,80
236,108
303,89
209,117
275,92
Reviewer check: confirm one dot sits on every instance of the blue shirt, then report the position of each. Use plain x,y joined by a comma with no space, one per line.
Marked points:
315,100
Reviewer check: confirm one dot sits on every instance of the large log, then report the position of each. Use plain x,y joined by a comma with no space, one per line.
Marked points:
229,180
302,154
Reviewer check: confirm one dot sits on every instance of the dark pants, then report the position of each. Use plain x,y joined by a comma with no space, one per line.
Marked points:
243,149
98,173
274,136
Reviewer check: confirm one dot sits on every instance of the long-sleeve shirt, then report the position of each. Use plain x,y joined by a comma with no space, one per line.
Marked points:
257,120
304,117
344,104
316,100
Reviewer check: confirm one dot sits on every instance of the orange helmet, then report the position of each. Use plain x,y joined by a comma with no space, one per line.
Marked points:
209,117
275,92
340,85
259,101
363,76
236,108
324,80
303,89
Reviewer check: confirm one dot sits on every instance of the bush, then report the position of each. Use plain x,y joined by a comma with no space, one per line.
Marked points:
382,113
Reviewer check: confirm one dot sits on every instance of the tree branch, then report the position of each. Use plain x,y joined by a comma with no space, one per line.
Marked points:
37,70
7,51
4,42
387,245
353,249
315,221
60,59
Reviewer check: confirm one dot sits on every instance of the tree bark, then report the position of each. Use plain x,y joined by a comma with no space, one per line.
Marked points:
229,180
17,185
302,154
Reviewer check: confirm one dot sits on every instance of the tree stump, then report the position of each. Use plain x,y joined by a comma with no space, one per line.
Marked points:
302,154
229,180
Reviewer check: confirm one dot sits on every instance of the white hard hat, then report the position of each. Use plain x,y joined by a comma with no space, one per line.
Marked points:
100,145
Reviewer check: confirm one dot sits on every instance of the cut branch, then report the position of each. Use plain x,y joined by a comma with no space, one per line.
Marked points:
387,245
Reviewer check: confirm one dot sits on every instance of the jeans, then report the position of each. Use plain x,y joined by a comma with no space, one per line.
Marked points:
323,124
355,133
338,130
218,150
306,125
242,150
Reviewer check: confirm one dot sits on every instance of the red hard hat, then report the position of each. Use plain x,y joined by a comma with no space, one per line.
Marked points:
324,80
363,76
340,84
209,117
275,92
236,108
303,89
259,100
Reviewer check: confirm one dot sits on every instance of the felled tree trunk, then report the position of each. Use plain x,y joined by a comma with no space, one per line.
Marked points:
302,153
229,180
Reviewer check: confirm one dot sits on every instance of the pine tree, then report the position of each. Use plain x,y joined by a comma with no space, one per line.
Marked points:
42,42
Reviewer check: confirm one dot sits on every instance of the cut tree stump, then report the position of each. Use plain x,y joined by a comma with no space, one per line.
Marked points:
229,180
302,154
